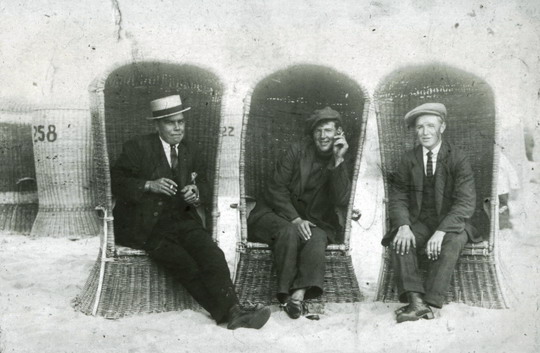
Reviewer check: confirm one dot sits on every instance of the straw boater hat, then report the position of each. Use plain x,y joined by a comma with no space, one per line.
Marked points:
166,106
425,109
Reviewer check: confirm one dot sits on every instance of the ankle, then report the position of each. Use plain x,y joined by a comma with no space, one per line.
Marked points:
298,295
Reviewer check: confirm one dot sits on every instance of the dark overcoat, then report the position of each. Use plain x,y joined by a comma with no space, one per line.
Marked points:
287,184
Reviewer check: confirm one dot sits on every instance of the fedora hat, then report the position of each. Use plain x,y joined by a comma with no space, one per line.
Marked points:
425,109
166,106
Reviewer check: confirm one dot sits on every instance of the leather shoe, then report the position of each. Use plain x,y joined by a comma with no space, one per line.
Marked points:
417,309
252,317
401,309
294,308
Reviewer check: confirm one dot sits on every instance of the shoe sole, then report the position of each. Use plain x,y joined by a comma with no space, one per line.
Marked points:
426,316
255,322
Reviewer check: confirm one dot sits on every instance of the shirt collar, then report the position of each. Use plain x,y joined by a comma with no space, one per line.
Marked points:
166,146
435,151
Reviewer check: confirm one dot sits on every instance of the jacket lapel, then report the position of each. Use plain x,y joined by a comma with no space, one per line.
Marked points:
305,168
440,175
181,169
418,175
161,165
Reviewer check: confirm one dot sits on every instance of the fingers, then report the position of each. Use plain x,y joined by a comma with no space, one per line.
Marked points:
406,246
303,234
164,186
433,249
304,229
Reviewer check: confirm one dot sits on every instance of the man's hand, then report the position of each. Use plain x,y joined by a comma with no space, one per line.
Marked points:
340,148
161,186
434,245
303,227
190,194
404,240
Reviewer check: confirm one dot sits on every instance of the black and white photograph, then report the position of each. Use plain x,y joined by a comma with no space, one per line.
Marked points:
270,176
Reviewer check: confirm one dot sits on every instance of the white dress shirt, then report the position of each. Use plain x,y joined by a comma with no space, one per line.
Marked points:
167,149
435,152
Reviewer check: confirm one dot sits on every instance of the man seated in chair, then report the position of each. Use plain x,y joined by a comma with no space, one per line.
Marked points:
432,198
159,182
297,217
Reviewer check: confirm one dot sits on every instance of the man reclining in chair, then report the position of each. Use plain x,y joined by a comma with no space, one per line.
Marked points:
159,182
297,217
432,197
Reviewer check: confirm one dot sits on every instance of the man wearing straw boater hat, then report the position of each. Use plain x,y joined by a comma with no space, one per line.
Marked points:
432,198
159,182
299,214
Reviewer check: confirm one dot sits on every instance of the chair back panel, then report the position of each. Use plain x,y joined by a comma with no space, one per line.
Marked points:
471,122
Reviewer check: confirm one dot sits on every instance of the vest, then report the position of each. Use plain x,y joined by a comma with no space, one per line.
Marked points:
428,211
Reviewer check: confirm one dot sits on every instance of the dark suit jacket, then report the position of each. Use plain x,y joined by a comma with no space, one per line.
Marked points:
288,182
136,211
455,193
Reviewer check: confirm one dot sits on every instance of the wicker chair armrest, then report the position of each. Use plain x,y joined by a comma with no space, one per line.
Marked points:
24,179
127,251
250,205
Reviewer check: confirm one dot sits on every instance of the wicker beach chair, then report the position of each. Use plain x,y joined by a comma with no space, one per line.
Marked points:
472,126
18,193
63,153
274,117
125,281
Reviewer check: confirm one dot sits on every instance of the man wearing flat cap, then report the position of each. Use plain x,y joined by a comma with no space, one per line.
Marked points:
432,198
297,216
159,182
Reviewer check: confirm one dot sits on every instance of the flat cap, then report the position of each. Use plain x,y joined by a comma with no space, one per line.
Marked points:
425,109
319,115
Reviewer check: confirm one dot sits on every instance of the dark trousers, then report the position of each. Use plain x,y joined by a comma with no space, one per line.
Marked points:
439,272
298,263
187,250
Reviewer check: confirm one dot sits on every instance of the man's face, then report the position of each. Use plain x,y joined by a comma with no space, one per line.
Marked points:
323,135
429,129
171,129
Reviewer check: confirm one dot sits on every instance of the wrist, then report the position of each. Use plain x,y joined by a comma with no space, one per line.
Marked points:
338,161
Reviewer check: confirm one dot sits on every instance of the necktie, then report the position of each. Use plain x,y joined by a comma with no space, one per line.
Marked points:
429,167
174,159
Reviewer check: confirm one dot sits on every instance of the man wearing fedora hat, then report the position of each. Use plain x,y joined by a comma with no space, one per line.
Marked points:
159,183
432,198
297,216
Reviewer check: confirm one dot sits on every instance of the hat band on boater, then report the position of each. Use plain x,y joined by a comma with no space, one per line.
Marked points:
168,111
